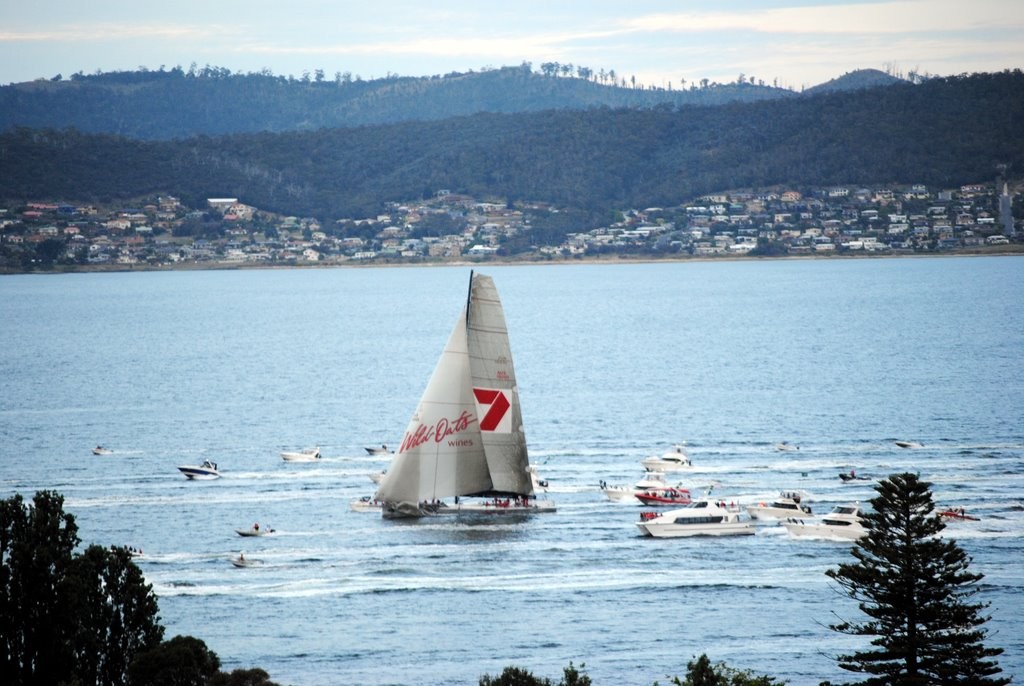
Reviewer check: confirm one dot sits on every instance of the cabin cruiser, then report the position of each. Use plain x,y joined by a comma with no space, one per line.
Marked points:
307,455
207,470
671,461
627,494
844,521
702,517
788,504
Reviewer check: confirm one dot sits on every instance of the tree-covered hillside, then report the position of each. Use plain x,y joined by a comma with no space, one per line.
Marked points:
944,132
168,104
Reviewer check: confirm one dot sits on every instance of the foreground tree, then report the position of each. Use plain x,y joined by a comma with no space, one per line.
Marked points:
915,588
67,617
517,676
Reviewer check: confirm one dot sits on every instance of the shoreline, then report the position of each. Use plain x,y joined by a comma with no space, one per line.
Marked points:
1000,251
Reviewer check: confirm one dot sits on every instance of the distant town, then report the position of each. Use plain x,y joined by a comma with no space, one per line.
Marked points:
835,220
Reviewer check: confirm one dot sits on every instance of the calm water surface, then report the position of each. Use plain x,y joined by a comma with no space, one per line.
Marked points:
615,362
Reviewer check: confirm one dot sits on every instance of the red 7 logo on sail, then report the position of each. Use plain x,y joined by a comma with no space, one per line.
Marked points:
493,407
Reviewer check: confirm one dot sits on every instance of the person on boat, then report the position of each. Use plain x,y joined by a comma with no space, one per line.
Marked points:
241,556
256,526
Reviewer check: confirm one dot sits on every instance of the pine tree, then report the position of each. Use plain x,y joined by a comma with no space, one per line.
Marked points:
915,588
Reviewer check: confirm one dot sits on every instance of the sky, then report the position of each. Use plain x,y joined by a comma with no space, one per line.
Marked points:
662,43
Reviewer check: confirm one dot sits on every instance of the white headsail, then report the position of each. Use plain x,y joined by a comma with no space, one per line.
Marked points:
466,436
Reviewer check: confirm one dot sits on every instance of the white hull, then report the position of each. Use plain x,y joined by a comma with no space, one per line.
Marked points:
703,517
783,507
311,455
366,504
199,473
253,532
684,530
620,494
810,529
102,451
842,522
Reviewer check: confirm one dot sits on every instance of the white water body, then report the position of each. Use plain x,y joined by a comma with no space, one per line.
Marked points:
615,363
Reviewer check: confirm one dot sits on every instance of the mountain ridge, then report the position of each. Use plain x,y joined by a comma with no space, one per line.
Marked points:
175,104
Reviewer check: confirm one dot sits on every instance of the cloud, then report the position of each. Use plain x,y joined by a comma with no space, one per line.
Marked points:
106,32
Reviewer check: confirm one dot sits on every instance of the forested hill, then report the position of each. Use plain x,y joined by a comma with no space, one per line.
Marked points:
943,132
162,105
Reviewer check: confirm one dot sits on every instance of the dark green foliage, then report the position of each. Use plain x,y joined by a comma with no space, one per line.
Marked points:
700,672
517,676
242,677
181,661
943,133
67,617
161,105
915,588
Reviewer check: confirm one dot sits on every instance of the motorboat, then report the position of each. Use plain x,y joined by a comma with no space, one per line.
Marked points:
844,521
377,477
382,450
539,484
307,455
852,475
957,513
100,450
366,504
702,517
667,496
207,470
255,530
786,446
511,505
627,494
908,444
671,461
243,561
788,504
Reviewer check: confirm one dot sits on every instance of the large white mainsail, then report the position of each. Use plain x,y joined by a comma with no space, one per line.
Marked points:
466,436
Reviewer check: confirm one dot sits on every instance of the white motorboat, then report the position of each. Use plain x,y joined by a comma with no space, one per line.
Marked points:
673,460
383,450
843,521
366,504
255,530
786,446
100,450
466,436
207,470
243,561
909,444
377,477
539,484
650,481
703,517
788,504
307,455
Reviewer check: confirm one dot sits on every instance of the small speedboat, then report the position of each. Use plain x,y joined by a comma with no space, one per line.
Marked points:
957,513
788,504
307,455
366,504
627,494
908,444
377,477
672,461
843,521
100,450
702,517
852,475
255,530
383,450
207,470
539,484
786,446
243,561
667,496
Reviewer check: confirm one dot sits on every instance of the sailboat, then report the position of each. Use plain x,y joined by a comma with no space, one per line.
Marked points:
466,437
